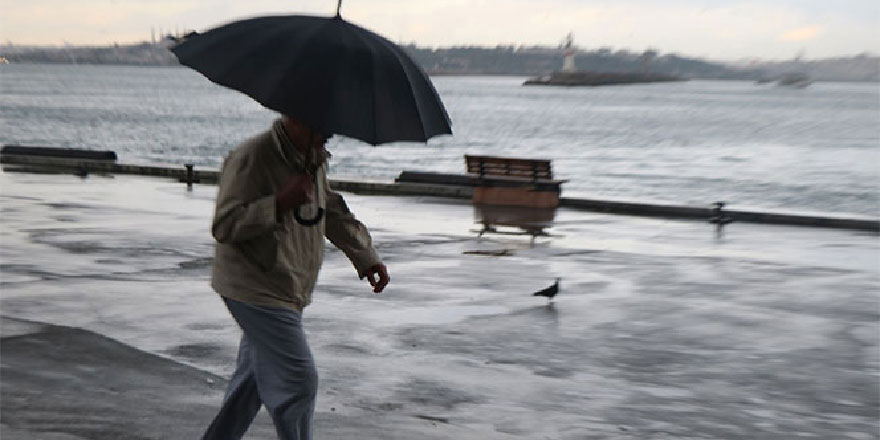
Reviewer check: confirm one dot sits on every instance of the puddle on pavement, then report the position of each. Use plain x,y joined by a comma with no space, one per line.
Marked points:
431,315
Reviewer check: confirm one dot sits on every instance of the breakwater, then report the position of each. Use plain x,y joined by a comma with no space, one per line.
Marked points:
594,79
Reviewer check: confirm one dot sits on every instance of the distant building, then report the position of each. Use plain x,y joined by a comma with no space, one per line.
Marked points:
568,58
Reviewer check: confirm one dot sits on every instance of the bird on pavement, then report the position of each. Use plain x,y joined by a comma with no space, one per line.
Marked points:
549,292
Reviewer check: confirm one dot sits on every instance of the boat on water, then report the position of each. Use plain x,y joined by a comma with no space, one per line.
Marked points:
795,80
791,80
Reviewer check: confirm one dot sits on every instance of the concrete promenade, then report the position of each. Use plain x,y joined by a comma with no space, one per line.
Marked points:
662,330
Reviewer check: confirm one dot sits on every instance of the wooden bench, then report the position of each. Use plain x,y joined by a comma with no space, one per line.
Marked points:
507,166
508,181
513,192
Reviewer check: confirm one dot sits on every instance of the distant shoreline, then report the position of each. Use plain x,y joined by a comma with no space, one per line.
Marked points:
503,61
429,72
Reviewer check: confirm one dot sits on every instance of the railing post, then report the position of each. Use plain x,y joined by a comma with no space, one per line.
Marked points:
189,175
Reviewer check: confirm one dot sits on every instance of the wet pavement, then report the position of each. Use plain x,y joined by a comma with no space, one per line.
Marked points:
660,330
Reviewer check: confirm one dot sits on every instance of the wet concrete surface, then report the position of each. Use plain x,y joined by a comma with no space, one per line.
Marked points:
68,383
661,329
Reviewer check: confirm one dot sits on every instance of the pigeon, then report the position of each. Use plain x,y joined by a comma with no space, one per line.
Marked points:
549,292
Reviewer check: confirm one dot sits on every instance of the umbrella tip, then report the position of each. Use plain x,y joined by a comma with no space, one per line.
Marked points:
338,7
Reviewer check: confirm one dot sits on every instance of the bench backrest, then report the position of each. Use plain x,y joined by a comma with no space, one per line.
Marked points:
506,166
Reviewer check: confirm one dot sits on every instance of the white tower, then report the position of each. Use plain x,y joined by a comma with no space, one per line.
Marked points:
568,60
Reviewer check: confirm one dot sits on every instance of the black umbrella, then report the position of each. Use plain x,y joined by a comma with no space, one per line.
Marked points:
334,76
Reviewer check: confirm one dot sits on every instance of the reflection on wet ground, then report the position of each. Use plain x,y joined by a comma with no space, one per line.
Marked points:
659,329
525,220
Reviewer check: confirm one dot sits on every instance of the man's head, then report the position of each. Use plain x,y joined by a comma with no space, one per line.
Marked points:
302,135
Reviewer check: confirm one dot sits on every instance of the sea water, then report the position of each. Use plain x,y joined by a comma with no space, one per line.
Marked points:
753,146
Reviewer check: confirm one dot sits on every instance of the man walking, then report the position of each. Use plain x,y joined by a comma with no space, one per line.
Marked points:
265,266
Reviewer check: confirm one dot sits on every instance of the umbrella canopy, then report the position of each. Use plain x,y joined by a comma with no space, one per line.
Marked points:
334,76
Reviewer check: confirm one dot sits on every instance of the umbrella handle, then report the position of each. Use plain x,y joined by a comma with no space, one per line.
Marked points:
308,221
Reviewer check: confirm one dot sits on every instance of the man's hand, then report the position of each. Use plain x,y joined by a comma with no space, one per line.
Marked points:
382,272
296,191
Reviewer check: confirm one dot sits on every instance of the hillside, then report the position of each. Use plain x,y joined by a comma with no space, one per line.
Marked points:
537,61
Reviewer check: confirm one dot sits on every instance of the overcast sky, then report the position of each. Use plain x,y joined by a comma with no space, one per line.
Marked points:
715,29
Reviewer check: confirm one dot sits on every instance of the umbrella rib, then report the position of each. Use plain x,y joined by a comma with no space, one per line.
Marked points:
220,74
294,58
373,89
416,101
390,46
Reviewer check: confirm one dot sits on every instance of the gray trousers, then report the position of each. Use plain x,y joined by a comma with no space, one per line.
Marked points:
275,368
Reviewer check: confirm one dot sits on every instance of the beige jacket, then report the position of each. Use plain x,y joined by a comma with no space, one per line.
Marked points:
259,260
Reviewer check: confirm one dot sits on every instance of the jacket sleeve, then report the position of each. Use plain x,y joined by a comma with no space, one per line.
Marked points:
347,233
241,211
